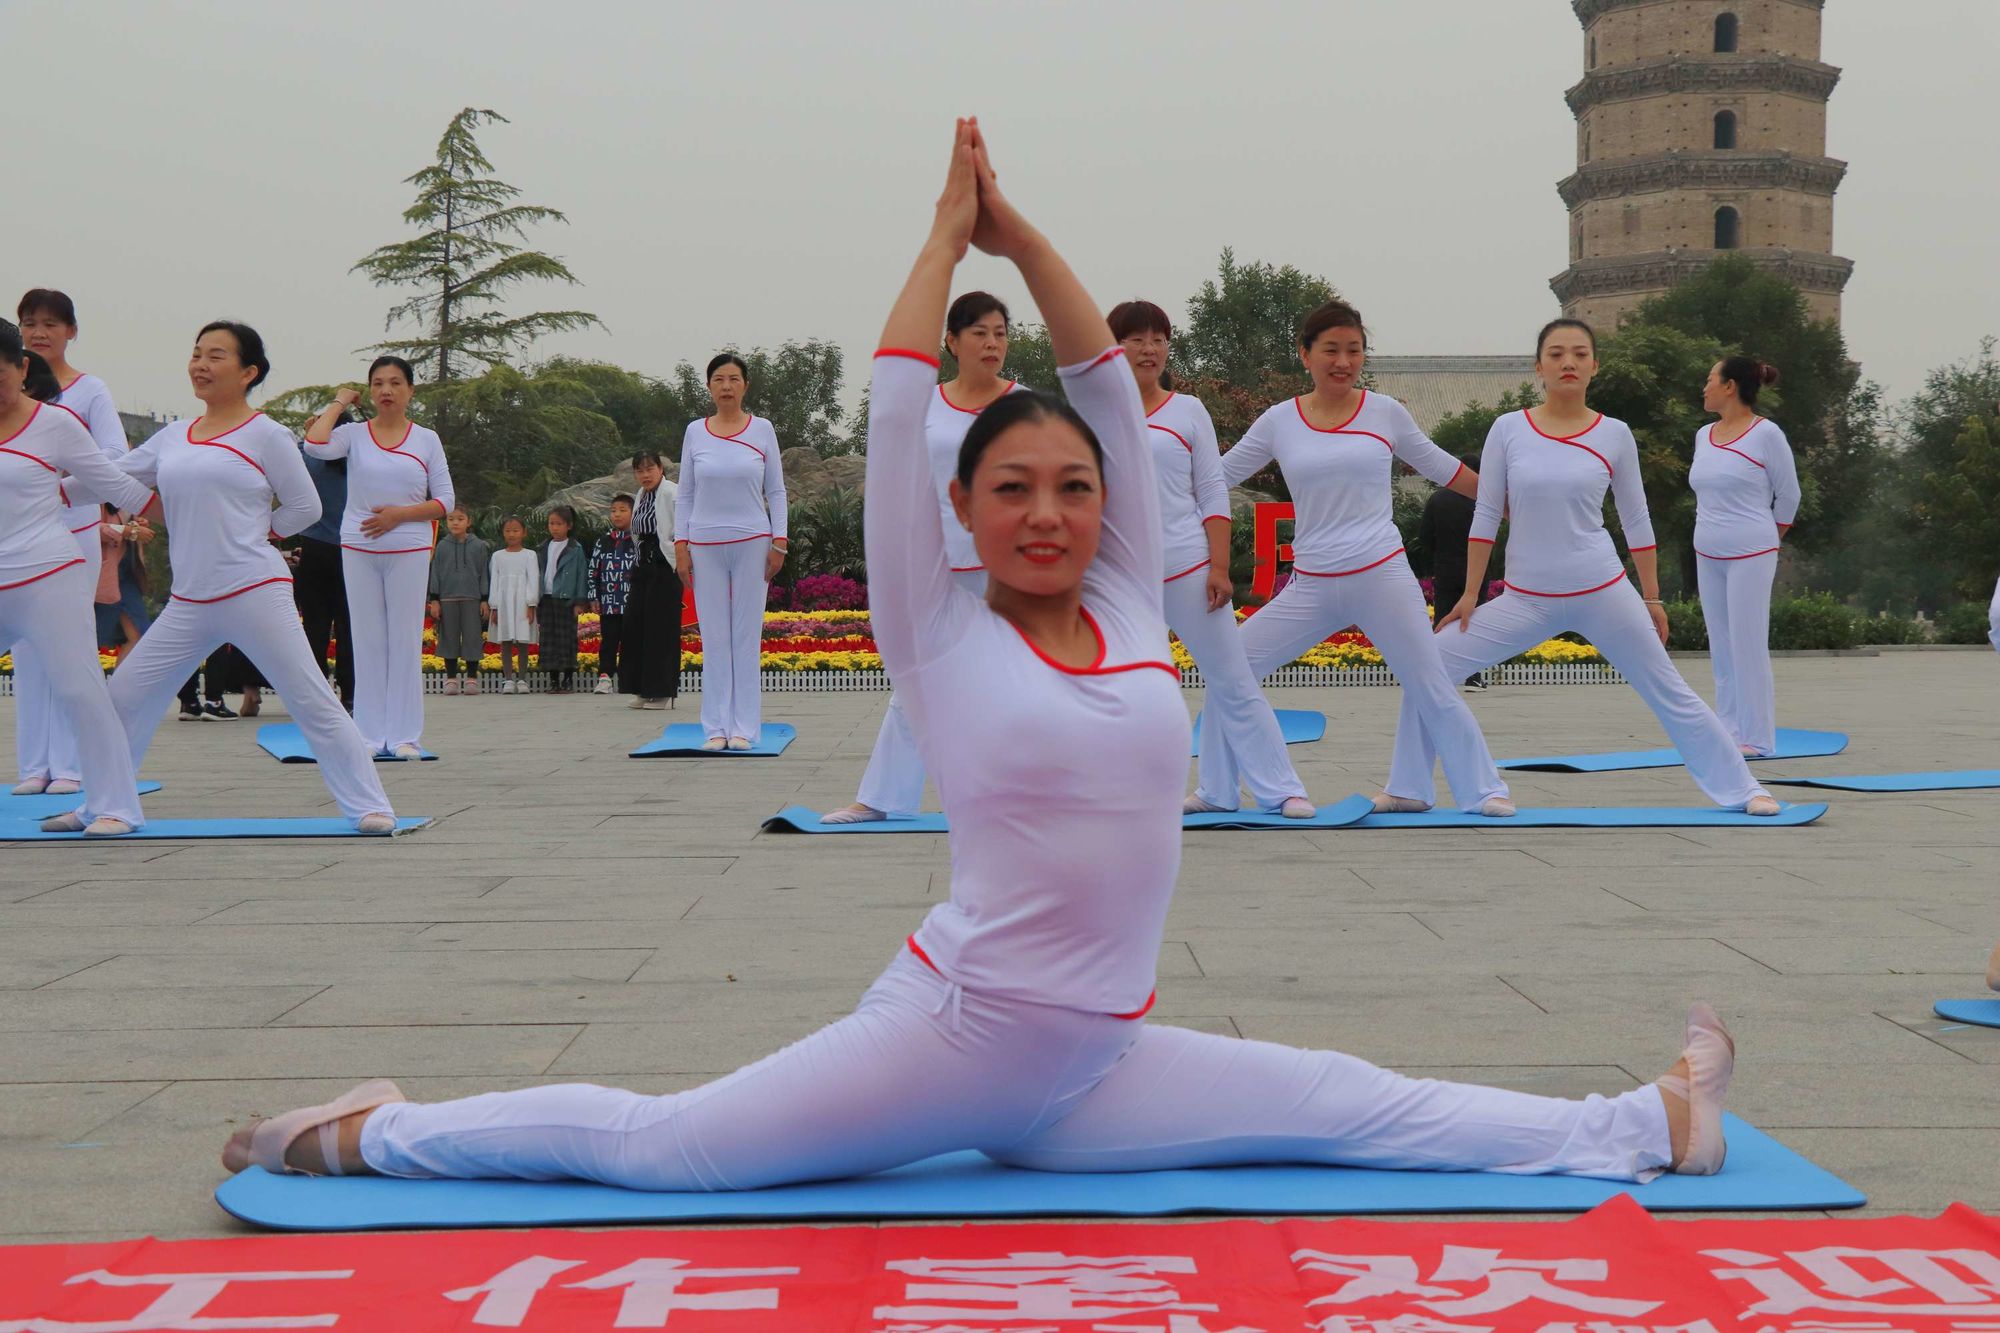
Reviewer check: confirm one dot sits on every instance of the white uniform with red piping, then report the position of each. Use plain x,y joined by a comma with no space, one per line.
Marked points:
44,745
1564,573
232,586
1348,568
45,598
1746,491
730,506
894,779
1019,1037
386,576
1234,712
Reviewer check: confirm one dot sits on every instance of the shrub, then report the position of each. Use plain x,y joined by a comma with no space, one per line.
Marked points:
1816,620
1886,628
827,592
1964,623
1686,630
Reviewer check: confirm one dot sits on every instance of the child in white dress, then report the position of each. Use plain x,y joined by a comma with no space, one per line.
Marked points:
516,587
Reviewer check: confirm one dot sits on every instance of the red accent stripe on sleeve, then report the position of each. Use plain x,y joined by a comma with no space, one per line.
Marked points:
1483,541
1104,356
1456,475
1636,549
924,357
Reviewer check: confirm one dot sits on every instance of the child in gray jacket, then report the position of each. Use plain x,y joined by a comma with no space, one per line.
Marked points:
459,574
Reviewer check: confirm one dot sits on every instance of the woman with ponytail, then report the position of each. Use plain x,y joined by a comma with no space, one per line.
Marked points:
1746,492
44,744
46,593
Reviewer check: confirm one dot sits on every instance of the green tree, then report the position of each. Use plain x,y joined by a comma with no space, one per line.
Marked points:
466,260
1957,500
520,434
796,388
1242,326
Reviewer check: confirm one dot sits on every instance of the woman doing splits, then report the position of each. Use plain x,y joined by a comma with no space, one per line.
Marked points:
975,333
217,477
1338,447
1012,1021
1746,490
729,539
398,487
44,743
1547,469
1196,592
45,596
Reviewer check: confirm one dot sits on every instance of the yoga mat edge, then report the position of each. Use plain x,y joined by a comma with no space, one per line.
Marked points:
28,830
1761,1175
683,740
284,742
1608,816
1344,813
1793,743
1964,779
1983,1013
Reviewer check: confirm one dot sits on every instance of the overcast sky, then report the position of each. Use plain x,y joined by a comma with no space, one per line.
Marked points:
752,172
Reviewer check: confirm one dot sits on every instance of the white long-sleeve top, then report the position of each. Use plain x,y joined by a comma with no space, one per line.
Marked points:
945,425
1340,478
35,538
225,496
1062,784
410,471
732,487
1188,468
1745,489
90,399
1552,489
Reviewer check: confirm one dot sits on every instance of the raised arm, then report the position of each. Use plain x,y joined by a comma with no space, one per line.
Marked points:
92,476
319,441
910,595
1783,471
1409,443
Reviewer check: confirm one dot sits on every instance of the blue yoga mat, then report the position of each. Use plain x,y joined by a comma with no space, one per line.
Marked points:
28,830
1606,816
1299,726
41,807
1342,814
1762,1174
1984,1013
684,739
1954,781
284,742
1792,744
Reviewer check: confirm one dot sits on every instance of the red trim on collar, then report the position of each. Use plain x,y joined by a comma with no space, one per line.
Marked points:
1299,404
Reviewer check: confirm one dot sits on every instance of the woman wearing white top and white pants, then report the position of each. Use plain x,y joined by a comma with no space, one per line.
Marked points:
1011,1022
217,477
398,487
44,743
1746,489
729,539
1548,475
44,599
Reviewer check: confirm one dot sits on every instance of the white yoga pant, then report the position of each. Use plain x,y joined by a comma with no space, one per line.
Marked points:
45,741
385,602
1736,603
924,1067
894,780
263,623
52,619
1235,715
1389,607
1615,621
729,593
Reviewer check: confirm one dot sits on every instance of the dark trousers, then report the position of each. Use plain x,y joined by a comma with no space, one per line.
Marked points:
320,588
649,660
225,669
610,635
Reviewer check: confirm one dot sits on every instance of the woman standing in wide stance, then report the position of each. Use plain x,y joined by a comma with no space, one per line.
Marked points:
1012,1020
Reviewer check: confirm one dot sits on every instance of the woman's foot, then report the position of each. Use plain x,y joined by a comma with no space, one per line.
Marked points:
856,813
64,787
739,743
1497,807
1762,805
451,685
31,787
1298,807
409,750
315,1141
1692,1092
716,743
253,702
1385,804
67,822
1750,752
1194,805
472,684
104,826
655,705
376,825
1993,969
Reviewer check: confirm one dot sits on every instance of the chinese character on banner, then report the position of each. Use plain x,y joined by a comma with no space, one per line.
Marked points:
1402,1323
1042,1286
180,1306
1849,1280
652,1290
1470,1281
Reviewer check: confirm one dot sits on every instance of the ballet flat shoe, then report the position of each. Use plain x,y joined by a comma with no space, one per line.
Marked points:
1497,807
1993,969
267,1141
1298,807
64,787
376,825
739,743
1194,805
31,787
1385,804
715,743
853,814
1710,1053
67,822
1762,806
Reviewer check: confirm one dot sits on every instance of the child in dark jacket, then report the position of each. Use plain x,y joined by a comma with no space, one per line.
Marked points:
565,582
460,570
611,562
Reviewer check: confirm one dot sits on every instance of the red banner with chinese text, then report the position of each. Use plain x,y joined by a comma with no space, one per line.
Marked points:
1615,1270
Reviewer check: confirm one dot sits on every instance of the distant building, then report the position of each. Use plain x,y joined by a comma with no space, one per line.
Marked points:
139,429
1433,387
1700,128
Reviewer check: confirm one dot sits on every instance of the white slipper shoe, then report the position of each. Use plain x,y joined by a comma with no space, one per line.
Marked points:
266,1142
1710,1053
